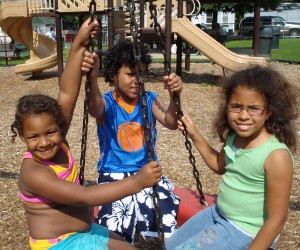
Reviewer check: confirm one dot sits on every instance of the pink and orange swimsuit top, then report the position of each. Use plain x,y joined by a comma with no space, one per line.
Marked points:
68,174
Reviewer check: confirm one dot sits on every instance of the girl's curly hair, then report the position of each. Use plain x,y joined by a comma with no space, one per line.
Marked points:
33,105
280,97
123,54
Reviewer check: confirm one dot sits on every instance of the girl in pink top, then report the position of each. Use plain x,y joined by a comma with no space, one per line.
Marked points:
57,208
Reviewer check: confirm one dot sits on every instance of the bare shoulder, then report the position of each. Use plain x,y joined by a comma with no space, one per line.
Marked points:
30,167
33,174
279,162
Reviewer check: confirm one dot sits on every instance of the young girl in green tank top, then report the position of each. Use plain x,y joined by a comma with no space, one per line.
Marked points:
255,124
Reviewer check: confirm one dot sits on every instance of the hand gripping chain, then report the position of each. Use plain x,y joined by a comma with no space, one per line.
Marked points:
134,31
92,10
176,98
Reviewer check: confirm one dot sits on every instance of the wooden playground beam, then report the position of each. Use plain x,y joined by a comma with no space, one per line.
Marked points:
225,1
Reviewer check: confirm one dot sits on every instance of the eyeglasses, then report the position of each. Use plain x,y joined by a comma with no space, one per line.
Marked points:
252,110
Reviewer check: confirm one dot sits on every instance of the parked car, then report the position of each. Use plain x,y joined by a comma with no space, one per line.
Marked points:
286,28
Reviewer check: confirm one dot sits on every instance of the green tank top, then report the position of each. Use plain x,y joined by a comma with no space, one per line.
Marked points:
242,194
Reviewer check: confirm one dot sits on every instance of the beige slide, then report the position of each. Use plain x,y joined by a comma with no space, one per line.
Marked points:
16,23
212,49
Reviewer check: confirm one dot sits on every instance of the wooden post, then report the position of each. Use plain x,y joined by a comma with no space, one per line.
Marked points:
59,41
168,30
110,25
179,41
256,27
187,65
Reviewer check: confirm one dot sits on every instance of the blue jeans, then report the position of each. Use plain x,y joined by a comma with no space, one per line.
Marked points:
208,230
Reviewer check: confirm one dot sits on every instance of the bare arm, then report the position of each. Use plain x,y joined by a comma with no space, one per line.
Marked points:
215,160
70,81
279,174
35,179
97,103
167,115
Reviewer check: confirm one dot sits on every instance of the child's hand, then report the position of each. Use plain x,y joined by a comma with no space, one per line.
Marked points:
190,126
90,61
86,30
149,175
173,83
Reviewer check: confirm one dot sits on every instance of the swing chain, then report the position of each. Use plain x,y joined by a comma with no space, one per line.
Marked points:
176,98
158,32
140,76
90,47
192,159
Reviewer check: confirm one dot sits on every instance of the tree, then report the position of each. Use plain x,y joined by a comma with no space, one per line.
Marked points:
70,22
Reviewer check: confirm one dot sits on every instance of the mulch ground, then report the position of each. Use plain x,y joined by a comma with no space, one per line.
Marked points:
199,99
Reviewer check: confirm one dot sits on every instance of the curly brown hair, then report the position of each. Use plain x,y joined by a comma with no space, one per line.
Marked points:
33,105
280,97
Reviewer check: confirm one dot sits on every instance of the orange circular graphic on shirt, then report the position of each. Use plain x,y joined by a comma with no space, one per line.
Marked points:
131,136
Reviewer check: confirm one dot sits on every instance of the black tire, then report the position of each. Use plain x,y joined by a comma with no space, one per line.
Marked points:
294,32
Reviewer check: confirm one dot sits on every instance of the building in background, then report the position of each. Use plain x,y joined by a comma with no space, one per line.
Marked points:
289,11
226,20
4,38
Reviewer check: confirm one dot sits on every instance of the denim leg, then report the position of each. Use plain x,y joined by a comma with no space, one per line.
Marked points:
208,230
192,227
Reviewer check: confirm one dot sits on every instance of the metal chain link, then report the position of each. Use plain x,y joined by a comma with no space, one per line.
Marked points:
90,47
140,76
176,98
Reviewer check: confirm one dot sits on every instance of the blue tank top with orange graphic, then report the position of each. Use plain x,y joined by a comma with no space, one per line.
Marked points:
121,135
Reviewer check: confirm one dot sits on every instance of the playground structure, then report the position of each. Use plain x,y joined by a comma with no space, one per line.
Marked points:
16,21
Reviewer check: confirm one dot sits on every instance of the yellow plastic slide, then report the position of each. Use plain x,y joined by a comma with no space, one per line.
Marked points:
212,49
16,23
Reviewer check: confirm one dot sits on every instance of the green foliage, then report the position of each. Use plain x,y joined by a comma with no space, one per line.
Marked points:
70,22
13,61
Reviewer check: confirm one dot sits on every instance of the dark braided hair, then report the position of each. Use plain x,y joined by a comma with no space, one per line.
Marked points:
123,54
33,105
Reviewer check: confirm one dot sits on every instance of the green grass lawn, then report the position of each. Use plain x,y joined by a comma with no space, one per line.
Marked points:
288,48
288,51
